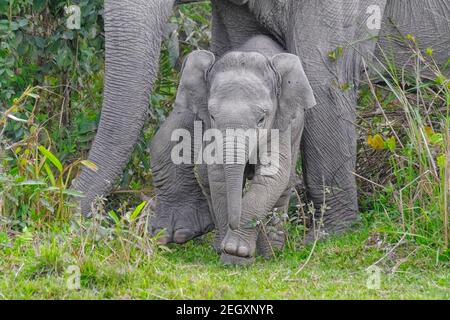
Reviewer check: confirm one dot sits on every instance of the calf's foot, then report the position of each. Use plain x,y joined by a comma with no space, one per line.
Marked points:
239,246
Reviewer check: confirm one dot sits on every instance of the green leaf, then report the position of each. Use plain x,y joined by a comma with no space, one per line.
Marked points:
52,158
137,211
23,22
391,144
4,25
442,161
73,193
14,26
436,139
55,189
114,216
50,175
39,5
440,80
68,35
336,54
31,183
4,5
47,205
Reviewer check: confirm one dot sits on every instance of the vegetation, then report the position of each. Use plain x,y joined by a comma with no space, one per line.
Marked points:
51,82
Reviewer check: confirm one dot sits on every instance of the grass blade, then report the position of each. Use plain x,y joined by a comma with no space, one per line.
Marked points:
52,158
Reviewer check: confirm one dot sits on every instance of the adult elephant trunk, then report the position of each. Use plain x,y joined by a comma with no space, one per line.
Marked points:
235,159
133,32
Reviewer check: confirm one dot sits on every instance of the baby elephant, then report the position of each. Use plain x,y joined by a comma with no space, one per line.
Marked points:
262,91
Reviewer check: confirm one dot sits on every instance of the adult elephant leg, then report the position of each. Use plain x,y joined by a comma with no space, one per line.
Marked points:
331,37
133,31
182,211
329,148
232,26
427,20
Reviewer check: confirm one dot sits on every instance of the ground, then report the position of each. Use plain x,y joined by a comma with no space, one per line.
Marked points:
36,266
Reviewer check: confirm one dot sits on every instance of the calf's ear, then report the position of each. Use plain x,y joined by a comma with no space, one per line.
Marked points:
192,92
295,93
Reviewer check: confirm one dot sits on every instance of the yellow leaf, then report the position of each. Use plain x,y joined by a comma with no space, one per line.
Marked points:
376,142
429,132
411,38
89,164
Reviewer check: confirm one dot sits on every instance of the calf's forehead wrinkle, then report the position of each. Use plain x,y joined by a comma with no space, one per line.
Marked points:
243,62
238,86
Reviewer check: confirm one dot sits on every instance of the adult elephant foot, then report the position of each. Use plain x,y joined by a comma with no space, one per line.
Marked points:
180,223
181,209
239,246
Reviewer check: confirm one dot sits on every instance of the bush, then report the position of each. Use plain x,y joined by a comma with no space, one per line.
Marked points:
51,81
405,150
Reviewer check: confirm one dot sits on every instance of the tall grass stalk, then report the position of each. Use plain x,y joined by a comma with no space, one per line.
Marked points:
420,162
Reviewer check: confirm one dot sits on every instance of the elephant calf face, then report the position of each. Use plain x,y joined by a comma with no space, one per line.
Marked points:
242,92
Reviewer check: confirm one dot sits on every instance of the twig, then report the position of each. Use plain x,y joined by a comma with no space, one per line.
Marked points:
316,232
390,251
367,180
310,254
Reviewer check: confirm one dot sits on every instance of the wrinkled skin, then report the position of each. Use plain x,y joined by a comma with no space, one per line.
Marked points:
310,29
256,87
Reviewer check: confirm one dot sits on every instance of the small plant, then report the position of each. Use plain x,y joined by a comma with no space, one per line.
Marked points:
34,183
127,234
411,130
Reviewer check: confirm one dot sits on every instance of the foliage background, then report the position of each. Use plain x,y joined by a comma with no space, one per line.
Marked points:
64,68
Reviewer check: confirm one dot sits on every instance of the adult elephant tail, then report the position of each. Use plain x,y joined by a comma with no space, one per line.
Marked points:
133,31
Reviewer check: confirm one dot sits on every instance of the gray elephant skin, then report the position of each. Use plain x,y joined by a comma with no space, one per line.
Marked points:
251,91
310,29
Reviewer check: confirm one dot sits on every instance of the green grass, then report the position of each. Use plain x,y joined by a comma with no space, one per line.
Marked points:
34,266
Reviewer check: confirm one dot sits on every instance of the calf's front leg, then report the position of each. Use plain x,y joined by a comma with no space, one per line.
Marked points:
239,246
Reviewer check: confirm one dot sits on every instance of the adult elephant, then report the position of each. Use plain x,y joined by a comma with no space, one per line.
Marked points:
311,29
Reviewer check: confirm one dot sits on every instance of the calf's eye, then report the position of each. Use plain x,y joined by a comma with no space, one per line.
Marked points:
261,120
